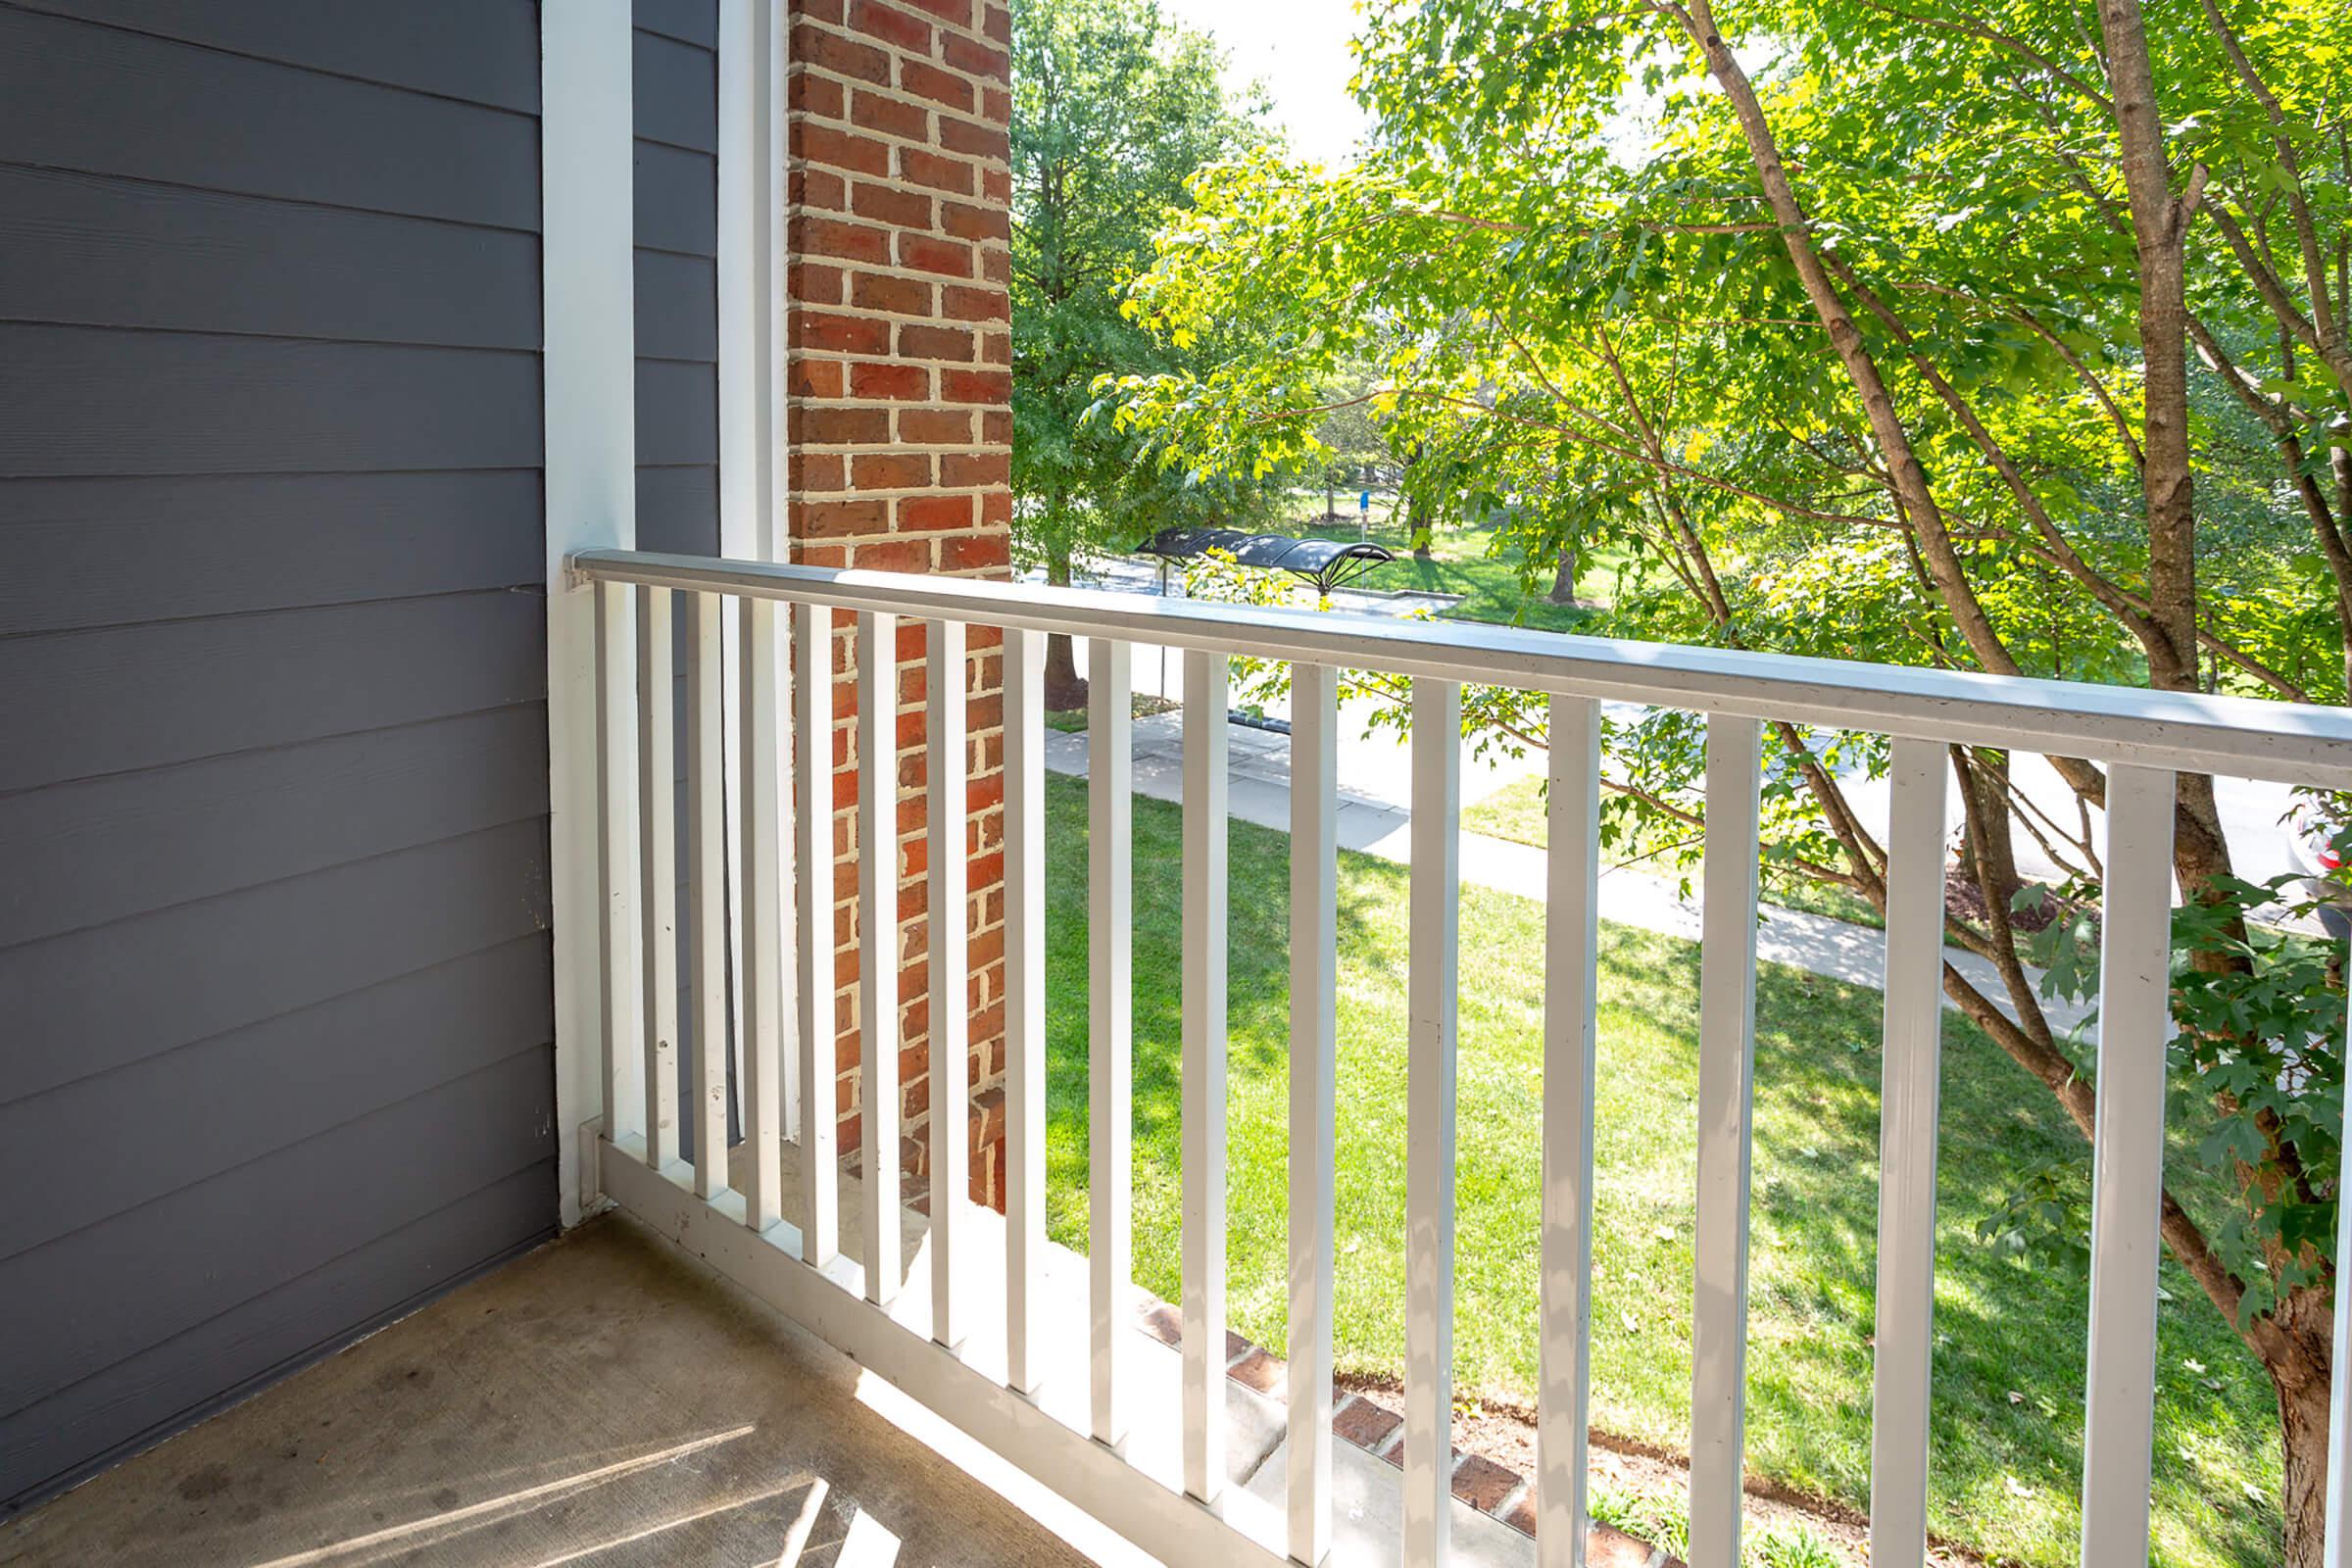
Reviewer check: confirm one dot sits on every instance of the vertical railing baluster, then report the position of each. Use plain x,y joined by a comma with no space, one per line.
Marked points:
813,844
706,886
1111,1067
1910,1074
2127,1166
1727,987
878,990
618,942
945,819
1024,1003
763,896
1203,1119
657,871
1314,1046
1429,1119
1571,956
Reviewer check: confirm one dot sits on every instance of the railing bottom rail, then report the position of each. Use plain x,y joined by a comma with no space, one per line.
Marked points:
1134,1489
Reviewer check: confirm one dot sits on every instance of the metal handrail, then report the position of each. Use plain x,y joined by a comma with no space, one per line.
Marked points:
2290,742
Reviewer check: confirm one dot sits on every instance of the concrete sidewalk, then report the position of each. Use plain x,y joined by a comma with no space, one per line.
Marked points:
1376,821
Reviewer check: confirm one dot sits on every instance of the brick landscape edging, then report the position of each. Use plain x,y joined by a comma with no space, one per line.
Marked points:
1494,1489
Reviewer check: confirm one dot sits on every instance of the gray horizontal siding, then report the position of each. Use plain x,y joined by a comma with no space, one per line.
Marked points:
676,197
678,415
677,509
104,850
78,554
102,999
677,99
224,1241
403,45
155,1390
71,1158
109,102
677,306
687,20
92,702
89,249
677,87
273,944
73,401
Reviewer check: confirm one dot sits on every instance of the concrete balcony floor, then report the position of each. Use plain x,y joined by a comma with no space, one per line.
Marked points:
601,1400
610,1401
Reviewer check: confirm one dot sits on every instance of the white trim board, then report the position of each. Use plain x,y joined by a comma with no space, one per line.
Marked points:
589,371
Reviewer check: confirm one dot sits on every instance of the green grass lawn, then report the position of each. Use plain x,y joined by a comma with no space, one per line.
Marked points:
1516,812
2006,1472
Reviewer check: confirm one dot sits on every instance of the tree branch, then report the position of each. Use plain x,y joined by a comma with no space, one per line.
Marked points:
1974,28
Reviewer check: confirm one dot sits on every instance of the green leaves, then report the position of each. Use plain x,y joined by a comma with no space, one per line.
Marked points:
1115,108
1558,298
2259,1008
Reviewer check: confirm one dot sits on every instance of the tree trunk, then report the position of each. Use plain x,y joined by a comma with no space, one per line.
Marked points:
1563,581
1995,848
2159,225
1413,526
1064,689
2295,1342
2302,1383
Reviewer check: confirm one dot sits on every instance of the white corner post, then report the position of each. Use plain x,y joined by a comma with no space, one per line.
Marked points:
589,371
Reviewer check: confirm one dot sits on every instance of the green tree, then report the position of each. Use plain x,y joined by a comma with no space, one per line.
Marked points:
1994,335
1114,108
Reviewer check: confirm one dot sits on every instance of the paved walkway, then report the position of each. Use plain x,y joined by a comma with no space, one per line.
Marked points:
1377,821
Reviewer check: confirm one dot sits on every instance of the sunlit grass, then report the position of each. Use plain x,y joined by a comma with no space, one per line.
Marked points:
2006,1472
1516,812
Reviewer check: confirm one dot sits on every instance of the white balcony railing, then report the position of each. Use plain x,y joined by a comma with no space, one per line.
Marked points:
1022,1398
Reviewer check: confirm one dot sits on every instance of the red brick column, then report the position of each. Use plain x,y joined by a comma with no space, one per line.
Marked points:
901,429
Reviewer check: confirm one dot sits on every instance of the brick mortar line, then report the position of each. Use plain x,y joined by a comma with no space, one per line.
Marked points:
880,493
929,19
879,226
898,97
974,448
897,449
810,400
804,163
897,185
853,357
849,126
849,218
855,312
883,227
909,448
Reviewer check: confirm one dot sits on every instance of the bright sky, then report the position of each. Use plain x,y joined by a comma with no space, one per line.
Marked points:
1298,49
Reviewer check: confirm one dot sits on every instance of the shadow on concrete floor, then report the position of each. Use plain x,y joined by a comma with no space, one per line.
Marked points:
600,1401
